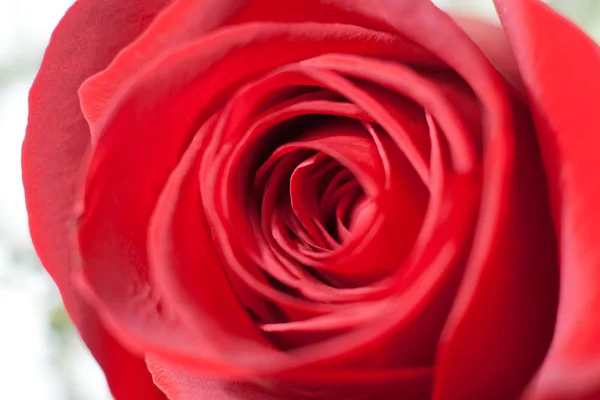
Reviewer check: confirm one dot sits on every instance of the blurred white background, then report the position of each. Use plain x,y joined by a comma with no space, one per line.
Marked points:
41,355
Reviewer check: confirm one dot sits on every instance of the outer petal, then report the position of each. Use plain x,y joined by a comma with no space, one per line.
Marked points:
560,67
57,136
186,20
502,321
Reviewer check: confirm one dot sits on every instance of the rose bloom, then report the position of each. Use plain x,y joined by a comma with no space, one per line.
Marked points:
322,199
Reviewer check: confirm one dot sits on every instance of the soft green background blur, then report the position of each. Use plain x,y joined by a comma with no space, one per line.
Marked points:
41,355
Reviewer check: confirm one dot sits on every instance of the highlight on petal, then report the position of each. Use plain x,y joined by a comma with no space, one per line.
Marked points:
492,40
559,65
56,139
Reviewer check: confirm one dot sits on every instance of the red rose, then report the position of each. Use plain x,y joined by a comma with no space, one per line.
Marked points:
322,199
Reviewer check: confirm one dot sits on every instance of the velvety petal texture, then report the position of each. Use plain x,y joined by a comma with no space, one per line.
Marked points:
559,64
56,140
310,200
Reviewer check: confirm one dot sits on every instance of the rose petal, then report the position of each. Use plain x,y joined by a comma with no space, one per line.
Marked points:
492,40
134,156
262,124
352,147
560,67
502,321
243,229
433,279
56,139
186,20
431,28
460,126
417,309
441,253
180,384
179,238
184,253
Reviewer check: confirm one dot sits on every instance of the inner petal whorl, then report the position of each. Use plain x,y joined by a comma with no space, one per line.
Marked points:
326,193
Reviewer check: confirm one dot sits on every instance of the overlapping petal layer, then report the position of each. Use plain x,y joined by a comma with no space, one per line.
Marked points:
282,199
559,64
57,137
212,224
